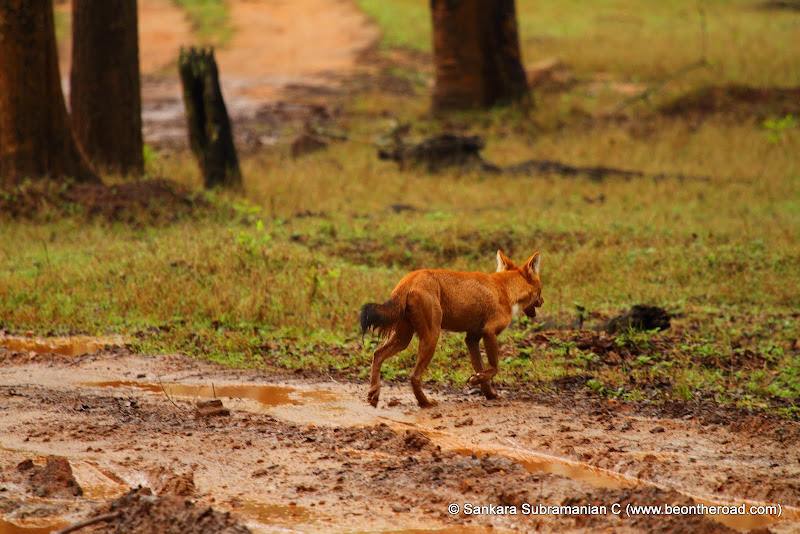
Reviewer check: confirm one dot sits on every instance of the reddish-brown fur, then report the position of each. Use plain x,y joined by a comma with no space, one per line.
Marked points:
428,301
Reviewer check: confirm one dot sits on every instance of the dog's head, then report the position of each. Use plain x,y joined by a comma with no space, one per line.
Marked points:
527,296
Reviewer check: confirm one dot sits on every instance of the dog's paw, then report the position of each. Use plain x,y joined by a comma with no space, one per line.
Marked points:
372,398
428,404
489,392
479,378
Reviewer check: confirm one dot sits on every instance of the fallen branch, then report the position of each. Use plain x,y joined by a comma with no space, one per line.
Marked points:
536,166
88,522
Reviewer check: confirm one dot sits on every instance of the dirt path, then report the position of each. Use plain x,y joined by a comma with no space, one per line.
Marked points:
314,457
276,44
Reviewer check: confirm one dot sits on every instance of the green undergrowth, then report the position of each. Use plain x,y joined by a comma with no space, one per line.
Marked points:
631,40
210,19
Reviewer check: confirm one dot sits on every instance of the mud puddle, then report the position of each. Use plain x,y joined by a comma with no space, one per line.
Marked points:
268,514
267,395
321,406
7,527
65,346
316,406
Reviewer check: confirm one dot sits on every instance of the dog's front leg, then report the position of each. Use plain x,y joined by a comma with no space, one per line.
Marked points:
473,346
492,354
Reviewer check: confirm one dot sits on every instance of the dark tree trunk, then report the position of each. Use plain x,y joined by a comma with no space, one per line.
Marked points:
35,134
476,54
210,134
105,97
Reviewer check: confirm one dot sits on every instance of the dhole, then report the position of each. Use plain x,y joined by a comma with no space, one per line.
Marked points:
428,301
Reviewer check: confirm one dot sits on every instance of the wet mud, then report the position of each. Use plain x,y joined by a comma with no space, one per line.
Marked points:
314,457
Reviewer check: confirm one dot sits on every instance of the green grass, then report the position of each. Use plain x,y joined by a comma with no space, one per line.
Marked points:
275,288
630,39
210,18
63,24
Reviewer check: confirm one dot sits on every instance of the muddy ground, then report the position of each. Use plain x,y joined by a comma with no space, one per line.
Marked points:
310,455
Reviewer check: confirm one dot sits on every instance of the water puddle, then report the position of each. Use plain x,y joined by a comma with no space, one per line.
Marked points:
267,395
268,514
7,527
96,484
66,346
460,529
745,522
533,461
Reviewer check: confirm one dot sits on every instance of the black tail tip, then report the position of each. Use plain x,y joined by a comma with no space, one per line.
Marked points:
368,317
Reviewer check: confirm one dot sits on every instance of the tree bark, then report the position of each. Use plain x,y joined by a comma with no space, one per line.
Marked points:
210,133
35,133
476,54
105,97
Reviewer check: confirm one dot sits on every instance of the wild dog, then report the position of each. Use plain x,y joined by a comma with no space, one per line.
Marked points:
430,300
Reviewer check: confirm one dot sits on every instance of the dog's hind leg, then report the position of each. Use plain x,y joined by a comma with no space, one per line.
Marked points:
473,346
426,319
397,341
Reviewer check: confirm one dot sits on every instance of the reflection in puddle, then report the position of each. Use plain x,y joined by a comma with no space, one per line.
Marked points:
67,346
7,527
269,395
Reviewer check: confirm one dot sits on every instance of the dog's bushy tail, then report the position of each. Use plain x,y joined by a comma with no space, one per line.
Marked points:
381,317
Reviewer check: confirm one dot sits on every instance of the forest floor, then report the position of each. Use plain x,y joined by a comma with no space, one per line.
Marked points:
301,454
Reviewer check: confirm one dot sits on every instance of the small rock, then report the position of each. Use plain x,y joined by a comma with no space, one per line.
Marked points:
210,408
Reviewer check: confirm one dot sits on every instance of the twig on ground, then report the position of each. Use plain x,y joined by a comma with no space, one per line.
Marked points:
166,394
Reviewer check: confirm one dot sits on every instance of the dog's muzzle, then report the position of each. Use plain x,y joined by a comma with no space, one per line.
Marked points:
530,311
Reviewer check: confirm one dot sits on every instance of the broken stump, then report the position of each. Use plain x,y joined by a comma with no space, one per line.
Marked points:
210,133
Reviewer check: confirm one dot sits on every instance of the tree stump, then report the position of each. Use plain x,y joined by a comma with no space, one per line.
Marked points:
210,133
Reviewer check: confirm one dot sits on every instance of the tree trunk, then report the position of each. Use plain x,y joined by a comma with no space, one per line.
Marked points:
35,134
210,134
476,54
105,97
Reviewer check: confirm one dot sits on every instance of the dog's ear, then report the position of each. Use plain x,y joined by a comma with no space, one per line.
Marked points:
532,265
504,263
